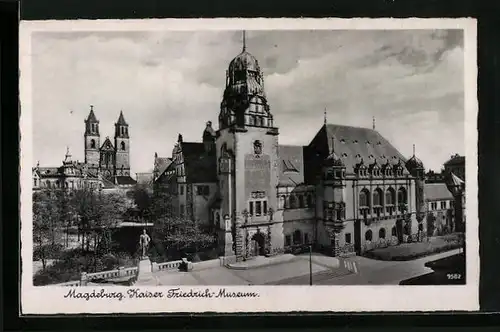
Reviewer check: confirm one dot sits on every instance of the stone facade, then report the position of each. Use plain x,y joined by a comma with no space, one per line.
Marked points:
106,166
349,190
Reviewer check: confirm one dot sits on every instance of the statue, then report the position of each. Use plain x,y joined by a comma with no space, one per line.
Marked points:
144,243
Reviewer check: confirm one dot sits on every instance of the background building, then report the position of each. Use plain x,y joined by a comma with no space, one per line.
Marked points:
106,166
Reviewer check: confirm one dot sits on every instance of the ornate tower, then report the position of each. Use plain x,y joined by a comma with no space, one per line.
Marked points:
417,170
92,141
333,180
246,129
122,147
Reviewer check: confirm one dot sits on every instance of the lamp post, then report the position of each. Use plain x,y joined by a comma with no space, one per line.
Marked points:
310,265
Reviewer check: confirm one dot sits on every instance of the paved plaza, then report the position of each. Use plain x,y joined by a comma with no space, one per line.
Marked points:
325,271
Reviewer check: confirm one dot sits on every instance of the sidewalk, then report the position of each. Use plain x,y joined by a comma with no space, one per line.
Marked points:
261,261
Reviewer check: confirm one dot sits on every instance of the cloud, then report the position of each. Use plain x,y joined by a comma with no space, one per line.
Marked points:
172,82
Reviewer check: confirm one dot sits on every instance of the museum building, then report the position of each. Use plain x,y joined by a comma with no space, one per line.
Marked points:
348,191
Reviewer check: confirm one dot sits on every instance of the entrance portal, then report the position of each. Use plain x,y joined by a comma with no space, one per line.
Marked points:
259,244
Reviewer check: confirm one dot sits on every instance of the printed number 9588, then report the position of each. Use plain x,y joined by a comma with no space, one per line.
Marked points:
454,276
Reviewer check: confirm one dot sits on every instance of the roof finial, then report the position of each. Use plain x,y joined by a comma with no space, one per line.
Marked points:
373,120
244,41
333,144
414,150
324,114
91,107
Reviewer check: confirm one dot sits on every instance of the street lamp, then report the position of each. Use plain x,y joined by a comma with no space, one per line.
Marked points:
310,265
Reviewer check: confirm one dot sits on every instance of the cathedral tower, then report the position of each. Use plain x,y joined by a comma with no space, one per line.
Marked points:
92,140
417,170
122,147
248,141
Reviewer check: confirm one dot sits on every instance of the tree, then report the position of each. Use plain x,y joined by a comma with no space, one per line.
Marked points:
99,214
175,233
47,219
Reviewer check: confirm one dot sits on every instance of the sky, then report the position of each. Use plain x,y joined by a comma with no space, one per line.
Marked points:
166,83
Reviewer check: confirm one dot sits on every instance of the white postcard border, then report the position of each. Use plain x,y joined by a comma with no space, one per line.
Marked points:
50,299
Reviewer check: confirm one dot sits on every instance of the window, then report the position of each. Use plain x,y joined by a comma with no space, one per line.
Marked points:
122,145
181,189
364,199
251,208
443,205
381,233
389,196
35,182
258,208
309,201
297,237
434,206
301,201
282,202
293,202
348,238
377,197
306,238
182,208
203,190
420,227
48,184
368,235
92,144
264,207
288,240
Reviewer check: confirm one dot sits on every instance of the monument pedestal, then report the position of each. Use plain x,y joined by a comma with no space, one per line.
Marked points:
144,272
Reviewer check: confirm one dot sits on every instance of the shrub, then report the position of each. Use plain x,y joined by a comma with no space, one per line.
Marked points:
47,251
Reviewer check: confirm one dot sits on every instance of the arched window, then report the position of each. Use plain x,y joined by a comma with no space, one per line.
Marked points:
377,197
389,196
293,202
402,195
364,198
92,144
381,233
368,235
297,237
122,145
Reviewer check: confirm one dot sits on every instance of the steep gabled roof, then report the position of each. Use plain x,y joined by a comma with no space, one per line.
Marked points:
200,166
455,160
161,164
437,191
291,172
351,144
124,180
92,117
107,145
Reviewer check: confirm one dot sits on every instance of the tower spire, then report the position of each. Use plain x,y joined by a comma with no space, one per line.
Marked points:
373,122
324,114
244,41
414,150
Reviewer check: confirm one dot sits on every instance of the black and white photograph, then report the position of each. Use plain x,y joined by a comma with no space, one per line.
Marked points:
168,164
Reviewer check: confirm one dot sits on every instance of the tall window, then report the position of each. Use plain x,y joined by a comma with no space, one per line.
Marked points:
443,205
364,198
258,208
182,210
282,202
402,199
251,208
389,196
377,197
92,144
348,238
122,145
297,237
381,233
309,201
301,201
293,203
368,235
181,189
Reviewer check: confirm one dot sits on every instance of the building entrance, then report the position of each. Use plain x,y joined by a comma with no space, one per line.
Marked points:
259,244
